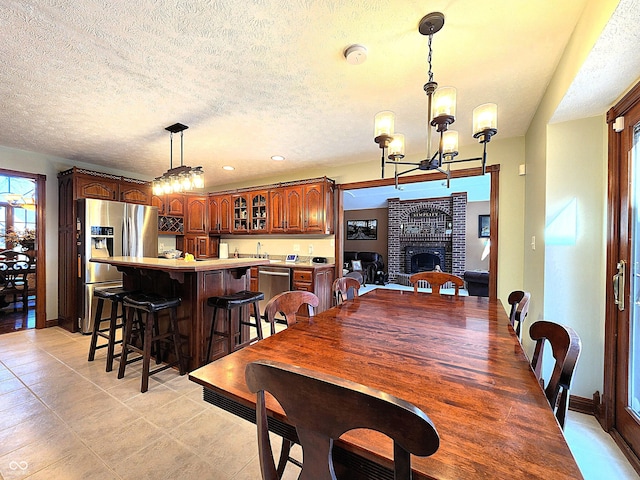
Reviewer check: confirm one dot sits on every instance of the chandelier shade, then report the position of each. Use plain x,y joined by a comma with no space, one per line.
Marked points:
181,178
441,110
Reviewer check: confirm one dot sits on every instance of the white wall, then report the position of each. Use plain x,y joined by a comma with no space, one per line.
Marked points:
574,289
476,245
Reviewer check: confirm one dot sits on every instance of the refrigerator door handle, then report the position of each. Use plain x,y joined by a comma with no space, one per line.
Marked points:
125,238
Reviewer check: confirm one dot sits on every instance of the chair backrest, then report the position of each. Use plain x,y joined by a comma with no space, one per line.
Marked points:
345,288
323,407
436,280
519,302
288,303
566,346
13,277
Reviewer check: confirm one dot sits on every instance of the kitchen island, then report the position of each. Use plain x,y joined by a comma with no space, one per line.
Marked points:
194,282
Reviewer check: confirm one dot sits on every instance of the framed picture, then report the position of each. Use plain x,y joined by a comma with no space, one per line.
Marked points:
484,225
362,229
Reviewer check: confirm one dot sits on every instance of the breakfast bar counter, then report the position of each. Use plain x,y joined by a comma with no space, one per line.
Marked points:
194,282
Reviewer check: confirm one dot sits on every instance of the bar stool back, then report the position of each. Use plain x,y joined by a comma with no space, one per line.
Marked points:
151,304
233,335
115,295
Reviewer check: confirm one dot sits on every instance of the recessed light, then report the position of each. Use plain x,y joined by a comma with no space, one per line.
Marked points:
228,167
277,158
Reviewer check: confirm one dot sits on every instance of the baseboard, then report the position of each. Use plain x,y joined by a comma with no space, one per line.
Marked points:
581,405
51,323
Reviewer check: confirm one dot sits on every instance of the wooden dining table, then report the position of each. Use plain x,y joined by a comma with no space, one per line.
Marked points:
455,358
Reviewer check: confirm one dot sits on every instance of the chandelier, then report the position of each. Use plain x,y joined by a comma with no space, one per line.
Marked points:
182,178
441,113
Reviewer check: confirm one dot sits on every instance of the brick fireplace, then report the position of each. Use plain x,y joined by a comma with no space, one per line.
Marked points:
435,226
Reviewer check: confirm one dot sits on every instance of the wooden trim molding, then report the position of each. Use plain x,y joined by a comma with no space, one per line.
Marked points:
41,260
605,412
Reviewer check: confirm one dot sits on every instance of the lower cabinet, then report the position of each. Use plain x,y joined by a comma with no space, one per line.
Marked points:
315,280
200,246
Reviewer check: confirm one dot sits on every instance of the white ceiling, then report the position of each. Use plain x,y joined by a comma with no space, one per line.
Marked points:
98,81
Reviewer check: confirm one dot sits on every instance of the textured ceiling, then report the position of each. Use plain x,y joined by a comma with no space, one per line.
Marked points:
97,81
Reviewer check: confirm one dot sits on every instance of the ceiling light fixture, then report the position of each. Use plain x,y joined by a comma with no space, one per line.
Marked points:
26,201
440,114
228,167
182,178
277,158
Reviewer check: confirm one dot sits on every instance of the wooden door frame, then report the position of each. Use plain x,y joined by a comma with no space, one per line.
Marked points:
493,170
605,411
41,263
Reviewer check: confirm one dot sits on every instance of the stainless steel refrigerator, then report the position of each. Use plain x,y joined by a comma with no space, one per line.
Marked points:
110,229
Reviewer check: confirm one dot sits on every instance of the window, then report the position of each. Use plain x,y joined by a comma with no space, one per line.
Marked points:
17,207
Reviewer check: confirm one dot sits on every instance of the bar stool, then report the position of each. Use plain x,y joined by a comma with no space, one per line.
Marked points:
151,304
229,302
115,296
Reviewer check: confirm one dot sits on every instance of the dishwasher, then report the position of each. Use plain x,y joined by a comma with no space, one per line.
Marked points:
272,281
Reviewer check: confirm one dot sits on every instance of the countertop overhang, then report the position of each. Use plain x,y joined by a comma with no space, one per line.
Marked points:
179,264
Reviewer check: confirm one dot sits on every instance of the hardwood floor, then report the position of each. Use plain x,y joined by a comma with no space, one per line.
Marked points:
11,321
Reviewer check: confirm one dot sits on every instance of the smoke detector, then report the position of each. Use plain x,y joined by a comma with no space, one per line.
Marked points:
355,54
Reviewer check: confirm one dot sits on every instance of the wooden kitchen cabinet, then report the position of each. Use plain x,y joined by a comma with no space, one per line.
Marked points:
254,279
104,186
101,187
171,204
286,215
240,213
200,246
134,191
304,206
317,280
318,208
196,219
220,213
259,212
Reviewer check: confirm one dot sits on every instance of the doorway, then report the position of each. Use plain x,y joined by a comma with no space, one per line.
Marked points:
22,238
620,409
492,170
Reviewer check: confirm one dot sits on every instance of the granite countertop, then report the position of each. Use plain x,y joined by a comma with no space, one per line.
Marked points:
180,264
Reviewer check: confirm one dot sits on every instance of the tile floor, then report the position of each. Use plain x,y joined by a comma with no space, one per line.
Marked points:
63,418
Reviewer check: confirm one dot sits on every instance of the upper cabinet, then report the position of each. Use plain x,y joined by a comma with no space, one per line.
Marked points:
91,186
105,186
286,210
259,212
134,191
171,204
318,208
240,213
220,213
298,207
196,219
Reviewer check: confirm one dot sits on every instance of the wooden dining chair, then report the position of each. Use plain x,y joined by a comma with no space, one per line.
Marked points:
345,288
323,407
14,282
436,280
288,304
519,302
566,346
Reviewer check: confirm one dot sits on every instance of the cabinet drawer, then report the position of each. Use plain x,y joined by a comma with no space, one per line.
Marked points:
302,276
307,287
